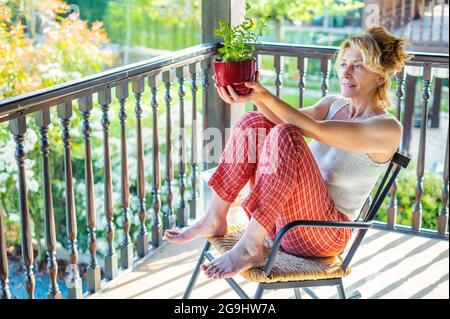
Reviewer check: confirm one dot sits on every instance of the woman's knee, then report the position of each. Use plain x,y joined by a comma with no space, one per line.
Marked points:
286,131
285,136
253,120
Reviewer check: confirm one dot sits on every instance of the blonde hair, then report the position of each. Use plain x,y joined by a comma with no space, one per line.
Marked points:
383,54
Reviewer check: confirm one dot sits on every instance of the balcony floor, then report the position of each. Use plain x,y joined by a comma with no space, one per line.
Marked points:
387,265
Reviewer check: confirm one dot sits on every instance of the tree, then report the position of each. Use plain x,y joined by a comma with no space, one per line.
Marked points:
294,10
184,11
167,24
70,48
15,49
91,10
66,49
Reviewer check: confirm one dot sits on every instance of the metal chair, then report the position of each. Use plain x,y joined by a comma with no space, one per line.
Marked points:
331,271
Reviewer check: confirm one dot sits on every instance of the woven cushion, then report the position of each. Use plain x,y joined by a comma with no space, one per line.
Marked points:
287,267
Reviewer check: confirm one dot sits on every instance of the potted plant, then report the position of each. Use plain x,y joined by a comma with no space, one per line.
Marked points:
236,65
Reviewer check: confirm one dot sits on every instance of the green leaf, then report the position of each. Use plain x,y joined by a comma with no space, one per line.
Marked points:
235,47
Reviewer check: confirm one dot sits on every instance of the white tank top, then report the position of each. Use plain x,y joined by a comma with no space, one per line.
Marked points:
349,176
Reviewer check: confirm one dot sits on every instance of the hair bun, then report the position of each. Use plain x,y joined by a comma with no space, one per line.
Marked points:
393,49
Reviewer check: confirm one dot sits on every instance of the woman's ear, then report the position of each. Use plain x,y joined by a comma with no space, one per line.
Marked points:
381,80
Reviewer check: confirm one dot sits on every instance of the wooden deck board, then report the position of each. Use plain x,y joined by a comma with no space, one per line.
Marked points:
387,265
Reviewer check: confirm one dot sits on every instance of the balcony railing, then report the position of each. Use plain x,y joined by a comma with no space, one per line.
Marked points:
150,75
428,65
424,22
145,75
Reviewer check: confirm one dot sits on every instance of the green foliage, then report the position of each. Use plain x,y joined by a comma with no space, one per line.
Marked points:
431,199
305,10
165,25
181,11
68,49
238,41
279,11
90,12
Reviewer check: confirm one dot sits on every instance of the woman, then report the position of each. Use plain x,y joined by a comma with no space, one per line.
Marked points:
354,138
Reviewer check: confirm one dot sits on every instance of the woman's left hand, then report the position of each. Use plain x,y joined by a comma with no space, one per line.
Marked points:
257,89
230,96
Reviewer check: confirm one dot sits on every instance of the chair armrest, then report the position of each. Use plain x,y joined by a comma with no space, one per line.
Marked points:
307,223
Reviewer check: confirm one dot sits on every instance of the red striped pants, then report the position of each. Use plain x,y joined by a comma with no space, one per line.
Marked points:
285,185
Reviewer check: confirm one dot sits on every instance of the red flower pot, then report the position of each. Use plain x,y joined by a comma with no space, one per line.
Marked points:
235,74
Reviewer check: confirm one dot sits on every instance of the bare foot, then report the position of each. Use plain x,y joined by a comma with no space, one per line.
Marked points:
241,257
205,227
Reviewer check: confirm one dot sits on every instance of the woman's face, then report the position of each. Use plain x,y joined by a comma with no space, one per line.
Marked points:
356,80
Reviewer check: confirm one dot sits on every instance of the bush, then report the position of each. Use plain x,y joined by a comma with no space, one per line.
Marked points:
406,194
68,49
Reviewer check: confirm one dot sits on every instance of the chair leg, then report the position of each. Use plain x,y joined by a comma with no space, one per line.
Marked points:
343,295
298,293
354,295
259,292
341,291
196,272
